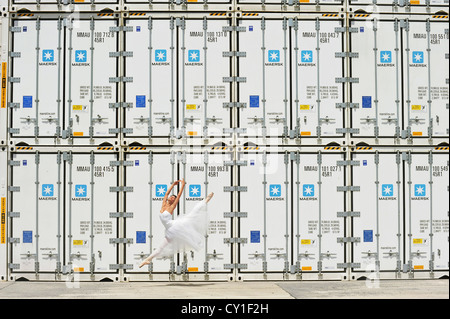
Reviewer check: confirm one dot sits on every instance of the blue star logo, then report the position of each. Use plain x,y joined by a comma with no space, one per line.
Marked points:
308,190
161,190
387,190
306,56
195,190
194,55
274,55
47,190
275,190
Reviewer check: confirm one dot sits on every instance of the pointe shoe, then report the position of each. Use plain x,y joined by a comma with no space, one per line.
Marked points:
208,198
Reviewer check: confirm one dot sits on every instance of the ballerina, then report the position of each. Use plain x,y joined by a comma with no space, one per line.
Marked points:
184,233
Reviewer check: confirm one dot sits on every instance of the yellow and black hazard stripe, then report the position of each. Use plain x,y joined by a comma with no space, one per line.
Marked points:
362,15
441,148
137,148
251,148
332,148
215,14
25,14
216,148
250,14
105,14
365,148
330,15
105,148
24,148
137,14
440,17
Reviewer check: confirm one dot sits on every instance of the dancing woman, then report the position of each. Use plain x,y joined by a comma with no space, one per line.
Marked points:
187,232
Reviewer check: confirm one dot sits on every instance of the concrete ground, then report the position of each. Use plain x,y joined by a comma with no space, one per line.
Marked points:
384,289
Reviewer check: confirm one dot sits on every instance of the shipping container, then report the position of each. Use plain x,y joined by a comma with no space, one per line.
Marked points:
65,88
290,229
151,174
400,3
180,70
402,68
400,193
59,214
288,90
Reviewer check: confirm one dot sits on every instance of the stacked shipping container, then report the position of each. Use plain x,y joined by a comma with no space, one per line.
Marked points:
321,126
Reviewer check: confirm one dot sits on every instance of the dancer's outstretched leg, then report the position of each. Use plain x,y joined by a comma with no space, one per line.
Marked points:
155,253
208,198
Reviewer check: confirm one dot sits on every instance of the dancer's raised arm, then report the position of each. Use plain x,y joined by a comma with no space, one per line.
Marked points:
183,183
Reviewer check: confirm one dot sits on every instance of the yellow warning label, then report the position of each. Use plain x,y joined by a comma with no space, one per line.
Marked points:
77,133
78,242
417,241
414,1
306,242
191,0
192,133
77,107
191,106
416,107
4,70
418,267
304,1
79,1
192,268
417,133
306,268
305,133
304,107
3,222
78,269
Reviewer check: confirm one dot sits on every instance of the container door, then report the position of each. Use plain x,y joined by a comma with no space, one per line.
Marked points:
427,179
426,72
37,90
91,80
317,226
203,77
267,227
380,204
36,213
59,1
266,90
317,110
295,2
378,92
153,68
90,231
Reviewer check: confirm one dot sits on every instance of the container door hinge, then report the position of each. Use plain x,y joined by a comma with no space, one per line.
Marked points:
13,105
121,189
234,28
12,130
348,188
120,130
347,105
15,29
346,54
120,214
13,240
235,163
121,28
13,79
345,163
237,130
121,240
348,265
342,240
13,266
120,79
235,214
121,163
346,29
121,53
234,104
235,240
227,79
240,54
348,214
235,188
120,104
14,188
15,54
347,130
347,79
235,266
120,266
13,163
14,214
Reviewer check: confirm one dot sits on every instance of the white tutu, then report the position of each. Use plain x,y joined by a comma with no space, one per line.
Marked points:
186,232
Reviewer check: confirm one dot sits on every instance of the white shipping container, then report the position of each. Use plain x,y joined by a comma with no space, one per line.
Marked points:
60,208
178,69
291,2
290,227
47,104
151,175
400,2
285,77
64,1
396,100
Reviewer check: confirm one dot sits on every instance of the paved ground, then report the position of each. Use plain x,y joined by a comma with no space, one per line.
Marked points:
384,289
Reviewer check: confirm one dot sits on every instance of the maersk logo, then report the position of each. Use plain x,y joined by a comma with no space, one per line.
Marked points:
195,190
308,191
387,192
385,57
80,193
47,192
275,192
161,190
193,57
161,55
306,58
81,58
273,57
48,57
420,192
417,56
